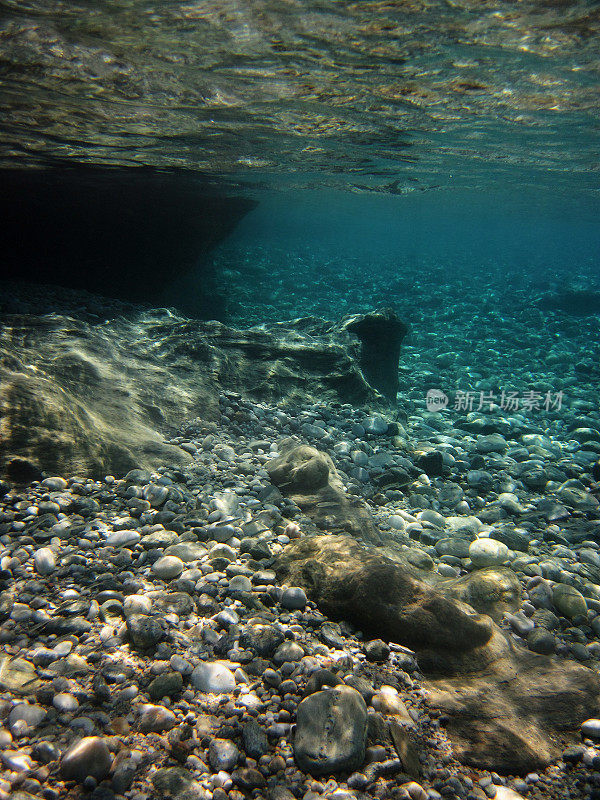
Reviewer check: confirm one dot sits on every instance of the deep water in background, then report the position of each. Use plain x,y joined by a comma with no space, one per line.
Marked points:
332,252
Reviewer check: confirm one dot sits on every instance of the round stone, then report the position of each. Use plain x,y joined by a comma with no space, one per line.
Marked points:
288,651
492,443
88,758
167,568
65,703
375,425
222,755
44,561
240,583
568,601
487,553
590,729
293,598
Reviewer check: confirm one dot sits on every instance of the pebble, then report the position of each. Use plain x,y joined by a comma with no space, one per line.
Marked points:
89,757
213,678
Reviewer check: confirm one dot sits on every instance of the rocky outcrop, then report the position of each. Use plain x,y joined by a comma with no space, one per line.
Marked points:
310,478
133,234
381,335
97,398
505,706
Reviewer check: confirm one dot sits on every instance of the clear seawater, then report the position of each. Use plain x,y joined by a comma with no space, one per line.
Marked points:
387,141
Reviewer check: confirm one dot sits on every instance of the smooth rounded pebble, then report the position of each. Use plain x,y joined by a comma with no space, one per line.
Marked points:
44,561
88,758
590,729
294,598
212,678
488,553
167,568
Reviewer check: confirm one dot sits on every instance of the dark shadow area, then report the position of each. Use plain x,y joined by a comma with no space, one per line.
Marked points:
133,234
575,302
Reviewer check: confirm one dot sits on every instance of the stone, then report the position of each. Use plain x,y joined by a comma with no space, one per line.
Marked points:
488,553
222,755
167,568
44,561
18,675
288,651
331,731
540,640
293,598
169,684
569,602
89,757
490,590
590,729
213,678
24,718
380,334
144,632
171,781
123,538
381,596
310,479
376,650
156,719
263,639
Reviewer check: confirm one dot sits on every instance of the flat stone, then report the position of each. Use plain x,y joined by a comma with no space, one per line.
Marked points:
123,538
18,675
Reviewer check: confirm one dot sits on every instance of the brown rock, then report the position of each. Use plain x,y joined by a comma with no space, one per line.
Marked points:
506,706
310,478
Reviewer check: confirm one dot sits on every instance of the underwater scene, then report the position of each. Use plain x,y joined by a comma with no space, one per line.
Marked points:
299,400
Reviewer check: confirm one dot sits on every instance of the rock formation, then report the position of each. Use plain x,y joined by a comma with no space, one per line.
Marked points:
132,234
97,398
505,706
310,478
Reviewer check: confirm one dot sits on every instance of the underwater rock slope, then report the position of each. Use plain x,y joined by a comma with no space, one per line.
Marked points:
95,398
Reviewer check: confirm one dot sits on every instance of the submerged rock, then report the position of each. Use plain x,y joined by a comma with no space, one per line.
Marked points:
331,731
504,704
94,398
310,478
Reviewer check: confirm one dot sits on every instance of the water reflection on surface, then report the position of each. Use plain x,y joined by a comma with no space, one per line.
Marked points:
395,95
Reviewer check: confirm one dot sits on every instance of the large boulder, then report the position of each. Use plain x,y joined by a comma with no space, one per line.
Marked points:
310,478
505,706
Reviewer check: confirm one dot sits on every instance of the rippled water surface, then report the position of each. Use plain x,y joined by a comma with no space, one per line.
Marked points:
393,96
